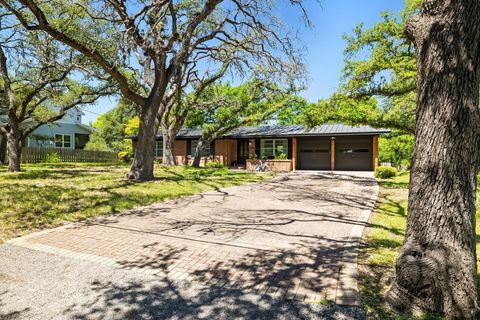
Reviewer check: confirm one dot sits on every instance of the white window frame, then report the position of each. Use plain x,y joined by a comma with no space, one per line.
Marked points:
206,149
63,142
158,148
272,152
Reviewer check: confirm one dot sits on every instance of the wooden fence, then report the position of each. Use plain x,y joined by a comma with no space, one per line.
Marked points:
38,155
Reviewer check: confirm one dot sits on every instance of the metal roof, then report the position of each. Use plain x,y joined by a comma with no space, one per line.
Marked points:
288,131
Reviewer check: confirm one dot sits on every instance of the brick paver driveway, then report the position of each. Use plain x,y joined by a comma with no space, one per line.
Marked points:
293,237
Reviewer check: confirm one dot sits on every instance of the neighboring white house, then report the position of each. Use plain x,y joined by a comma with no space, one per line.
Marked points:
68,132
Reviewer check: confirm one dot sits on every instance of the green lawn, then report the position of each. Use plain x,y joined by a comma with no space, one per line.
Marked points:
46,195
383,240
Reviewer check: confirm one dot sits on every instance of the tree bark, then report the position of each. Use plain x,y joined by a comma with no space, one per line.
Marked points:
14,146
142,165
197,157
168,141
436,269
3,148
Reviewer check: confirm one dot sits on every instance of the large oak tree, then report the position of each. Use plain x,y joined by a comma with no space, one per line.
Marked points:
436,269
148,42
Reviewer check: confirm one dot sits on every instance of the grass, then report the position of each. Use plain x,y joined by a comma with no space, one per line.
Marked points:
46,195
382,242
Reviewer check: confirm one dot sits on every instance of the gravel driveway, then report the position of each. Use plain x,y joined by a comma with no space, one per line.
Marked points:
270,250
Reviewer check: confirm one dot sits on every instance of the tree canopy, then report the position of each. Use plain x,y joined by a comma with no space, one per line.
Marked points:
143,47
41,80
379,78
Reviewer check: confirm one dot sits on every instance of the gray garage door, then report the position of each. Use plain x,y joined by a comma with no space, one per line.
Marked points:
314,154
353,153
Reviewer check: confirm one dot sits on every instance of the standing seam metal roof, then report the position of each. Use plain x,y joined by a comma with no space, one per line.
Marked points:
289,131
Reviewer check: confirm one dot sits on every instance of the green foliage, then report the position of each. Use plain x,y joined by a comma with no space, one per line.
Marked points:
214,164
253,156
294,112
132,126
342,110
396,148
51,157
281,156
111,126
97,143
386,172
224,107
125,156
379,78
111,129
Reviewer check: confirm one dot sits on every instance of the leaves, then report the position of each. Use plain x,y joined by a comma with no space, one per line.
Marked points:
132,126
224,107
379,78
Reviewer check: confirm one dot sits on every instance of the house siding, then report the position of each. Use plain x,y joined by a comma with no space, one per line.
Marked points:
44,136
180,151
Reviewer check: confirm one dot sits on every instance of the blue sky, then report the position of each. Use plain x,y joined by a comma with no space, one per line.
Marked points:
324,43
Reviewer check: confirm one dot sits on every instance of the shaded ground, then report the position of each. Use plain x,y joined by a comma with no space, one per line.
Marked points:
46,195
257,251
77,289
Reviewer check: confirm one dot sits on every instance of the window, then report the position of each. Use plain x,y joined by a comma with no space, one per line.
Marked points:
242,148
159,149
63,141
271,148
206,149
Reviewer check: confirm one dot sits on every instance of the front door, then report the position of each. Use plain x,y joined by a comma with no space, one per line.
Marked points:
242,151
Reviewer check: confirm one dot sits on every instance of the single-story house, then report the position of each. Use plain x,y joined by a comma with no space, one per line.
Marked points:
68,132
285,148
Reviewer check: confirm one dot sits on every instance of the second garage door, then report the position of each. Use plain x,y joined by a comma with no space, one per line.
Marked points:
354,153
314,153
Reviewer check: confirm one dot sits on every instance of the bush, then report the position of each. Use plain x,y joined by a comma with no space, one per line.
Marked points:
125,156
214,164
96,143
52,157
386,172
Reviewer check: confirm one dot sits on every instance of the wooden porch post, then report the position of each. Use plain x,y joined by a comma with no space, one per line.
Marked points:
375,153
251,147
294,154
332,154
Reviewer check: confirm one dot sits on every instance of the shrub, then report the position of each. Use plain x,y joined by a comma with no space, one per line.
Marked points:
281,156
51,157
125,156
253,156
386,172
214,164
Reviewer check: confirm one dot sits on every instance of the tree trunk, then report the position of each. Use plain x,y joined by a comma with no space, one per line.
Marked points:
14,146
168,140
3,148
436,269
197,157
142,165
